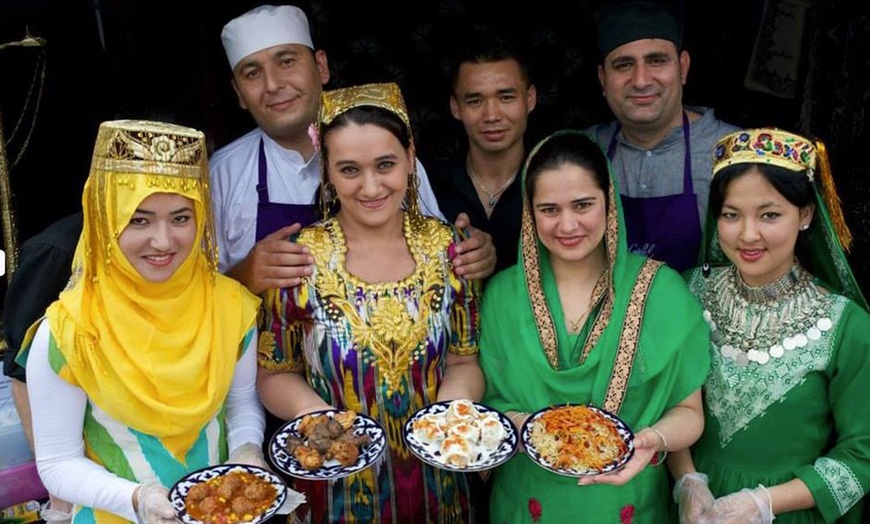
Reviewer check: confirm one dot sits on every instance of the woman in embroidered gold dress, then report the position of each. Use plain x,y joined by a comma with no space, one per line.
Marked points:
787,419
582,320
144,369
383,326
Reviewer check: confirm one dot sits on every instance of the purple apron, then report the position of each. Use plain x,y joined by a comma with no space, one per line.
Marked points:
273,216
665,228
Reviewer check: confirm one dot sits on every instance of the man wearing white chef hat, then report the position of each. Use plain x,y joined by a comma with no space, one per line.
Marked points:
263,184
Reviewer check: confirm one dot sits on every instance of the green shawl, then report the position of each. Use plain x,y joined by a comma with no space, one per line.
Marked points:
643,350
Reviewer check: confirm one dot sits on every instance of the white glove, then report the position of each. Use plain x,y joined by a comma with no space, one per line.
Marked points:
250,454
747,506
53,516
154,506
693,497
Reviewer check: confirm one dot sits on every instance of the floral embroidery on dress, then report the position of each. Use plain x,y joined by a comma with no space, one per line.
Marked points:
842,482
535,509
626,514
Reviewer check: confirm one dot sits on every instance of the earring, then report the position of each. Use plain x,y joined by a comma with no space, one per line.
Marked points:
804,227
327,198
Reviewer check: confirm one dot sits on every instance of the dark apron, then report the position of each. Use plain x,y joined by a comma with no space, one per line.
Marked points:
665,228
272,216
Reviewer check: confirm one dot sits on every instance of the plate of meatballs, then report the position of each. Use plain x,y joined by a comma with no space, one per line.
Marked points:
327,445
227,494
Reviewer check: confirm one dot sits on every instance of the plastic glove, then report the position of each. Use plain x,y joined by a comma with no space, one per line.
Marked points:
154,506
693,497
250,454
54,516
747,506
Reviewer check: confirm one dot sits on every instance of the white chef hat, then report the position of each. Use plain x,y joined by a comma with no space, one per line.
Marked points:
263,27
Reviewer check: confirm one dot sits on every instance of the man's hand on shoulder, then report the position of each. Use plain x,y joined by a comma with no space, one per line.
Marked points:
475,256
274,262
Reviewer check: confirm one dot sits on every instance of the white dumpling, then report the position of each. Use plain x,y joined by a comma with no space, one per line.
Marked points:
491,432
457,451
460,410
469,430
428,429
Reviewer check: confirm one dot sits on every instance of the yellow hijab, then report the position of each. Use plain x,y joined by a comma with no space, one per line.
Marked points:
157,357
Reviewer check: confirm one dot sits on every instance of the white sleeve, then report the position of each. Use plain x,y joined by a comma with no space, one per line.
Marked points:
245,419
58,410
219,214
426,197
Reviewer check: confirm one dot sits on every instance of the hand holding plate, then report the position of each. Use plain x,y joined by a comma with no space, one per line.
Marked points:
646,444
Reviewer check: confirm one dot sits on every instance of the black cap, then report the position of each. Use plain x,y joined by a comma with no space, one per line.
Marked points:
624,22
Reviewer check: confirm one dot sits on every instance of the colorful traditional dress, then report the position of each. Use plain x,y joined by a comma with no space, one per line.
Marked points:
136,381
787,393
641,352
378,349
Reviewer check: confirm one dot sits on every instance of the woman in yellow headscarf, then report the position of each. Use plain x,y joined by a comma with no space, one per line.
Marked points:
144,369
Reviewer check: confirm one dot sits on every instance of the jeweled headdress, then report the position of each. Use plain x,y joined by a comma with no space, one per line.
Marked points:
789,151
385,96
155,155
766,146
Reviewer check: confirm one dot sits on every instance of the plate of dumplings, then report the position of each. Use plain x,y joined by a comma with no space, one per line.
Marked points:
461,436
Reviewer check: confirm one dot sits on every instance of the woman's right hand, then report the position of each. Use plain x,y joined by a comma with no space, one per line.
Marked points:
693,496
153,506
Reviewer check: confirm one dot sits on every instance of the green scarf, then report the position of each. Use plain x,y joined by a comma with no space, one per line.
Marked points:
645,322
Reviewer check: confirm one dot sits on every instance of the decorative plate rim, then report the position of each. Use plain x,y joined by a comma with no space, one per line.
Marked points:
509,426
179,500
534,456
380,447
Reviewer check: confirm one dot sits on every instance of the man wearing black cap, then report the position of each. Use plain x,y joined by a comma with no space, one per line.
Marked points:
660,149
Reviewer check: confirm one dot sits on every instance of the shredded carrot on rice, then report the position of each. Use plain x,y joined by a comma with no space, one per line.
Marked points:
577,438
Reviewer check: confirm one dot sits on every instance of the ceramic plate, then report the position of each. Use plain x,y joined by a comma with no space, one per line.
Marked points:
622,428
431,454
331,469
178,493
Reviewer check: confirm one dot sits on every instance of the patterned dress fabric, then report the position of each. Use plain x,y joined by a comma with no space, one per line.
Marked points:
378,349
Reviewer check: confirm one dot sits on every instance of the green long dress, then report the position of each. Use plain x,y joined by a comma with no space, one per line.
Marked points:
645,345
804,413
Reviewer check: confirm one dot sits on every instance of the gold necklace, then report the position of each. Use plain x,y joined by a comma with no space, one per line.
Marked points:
493,196
575,325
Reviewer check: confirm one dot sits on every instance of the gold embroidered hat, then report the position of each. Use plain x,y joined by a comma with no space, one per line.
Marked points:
146,154
386,96
765,146
141,146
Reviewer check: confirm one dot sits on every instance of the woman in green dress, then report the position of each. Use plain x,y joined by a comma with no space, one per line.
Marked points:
582,320
787,420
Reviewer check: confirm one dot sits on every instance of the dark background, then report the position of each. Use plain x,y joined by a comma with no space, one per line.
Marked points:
161,58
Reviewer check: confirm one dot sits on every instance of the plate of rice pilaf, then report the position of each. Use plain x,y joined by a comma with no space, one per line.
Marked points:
577,440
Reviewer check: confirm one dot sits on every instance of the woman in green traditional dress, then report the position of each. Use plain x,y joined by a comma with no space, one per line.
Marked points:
787,418
582,320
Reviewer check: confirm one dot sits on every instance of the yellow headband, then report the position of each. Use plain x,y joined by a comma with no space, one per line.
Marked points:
385,96
765,146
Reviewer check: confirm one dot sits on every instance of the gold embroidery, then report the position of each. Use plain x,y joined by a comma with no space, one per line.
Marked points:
383,328
629,337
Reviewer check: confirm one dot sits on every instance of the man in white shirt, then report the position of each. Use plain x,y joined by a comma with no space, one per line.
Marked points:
264,183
